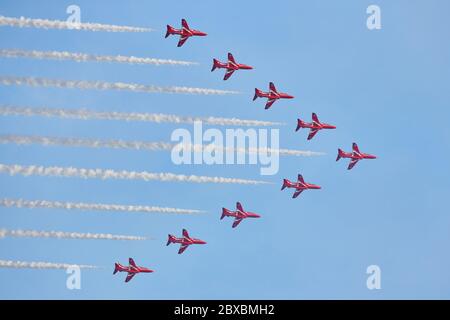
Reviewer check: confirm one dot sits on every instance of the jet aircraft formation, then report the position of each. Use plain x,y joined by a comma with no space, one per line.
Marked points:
272,96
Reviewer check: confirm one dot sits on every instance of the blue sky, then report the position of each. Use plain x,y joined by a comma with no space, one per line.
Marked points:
385,89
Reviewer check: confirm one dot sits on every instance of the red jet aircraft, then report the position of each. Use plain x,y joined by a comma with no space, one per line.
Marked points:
185,32
271,96
315,126
299,186
231,66
239,214
185,241
132,269
355,156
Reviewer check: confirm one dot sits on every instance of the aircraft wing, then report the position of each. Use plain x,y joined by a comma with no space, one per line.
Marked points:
228,74
272,88
239,206
182,248
269,103
185,233
131,262
231,58
312,133
236,222
184,24
300,179
315,118
355,148
182,40
352,163
297,193
130,276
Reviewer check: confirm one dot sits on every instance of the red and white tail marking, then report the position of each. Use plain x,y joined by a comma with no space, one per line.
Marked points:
258,93
170,30
340,154
216,64
286,184
225,213
300,124
171,239
117,268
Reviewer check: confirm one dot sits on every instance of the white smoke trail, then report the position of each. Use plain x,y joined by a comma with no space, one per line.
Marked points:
83,57
41,265
141,145
65,235
70,172
31,204
83,114
100,85
57,24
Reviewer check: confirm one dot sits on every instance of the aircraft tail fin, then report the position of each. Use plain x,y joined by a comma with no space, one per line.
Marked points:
300,124
216,64
285,184
170,239
340,154
225,211
257,94
170,30
116,268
